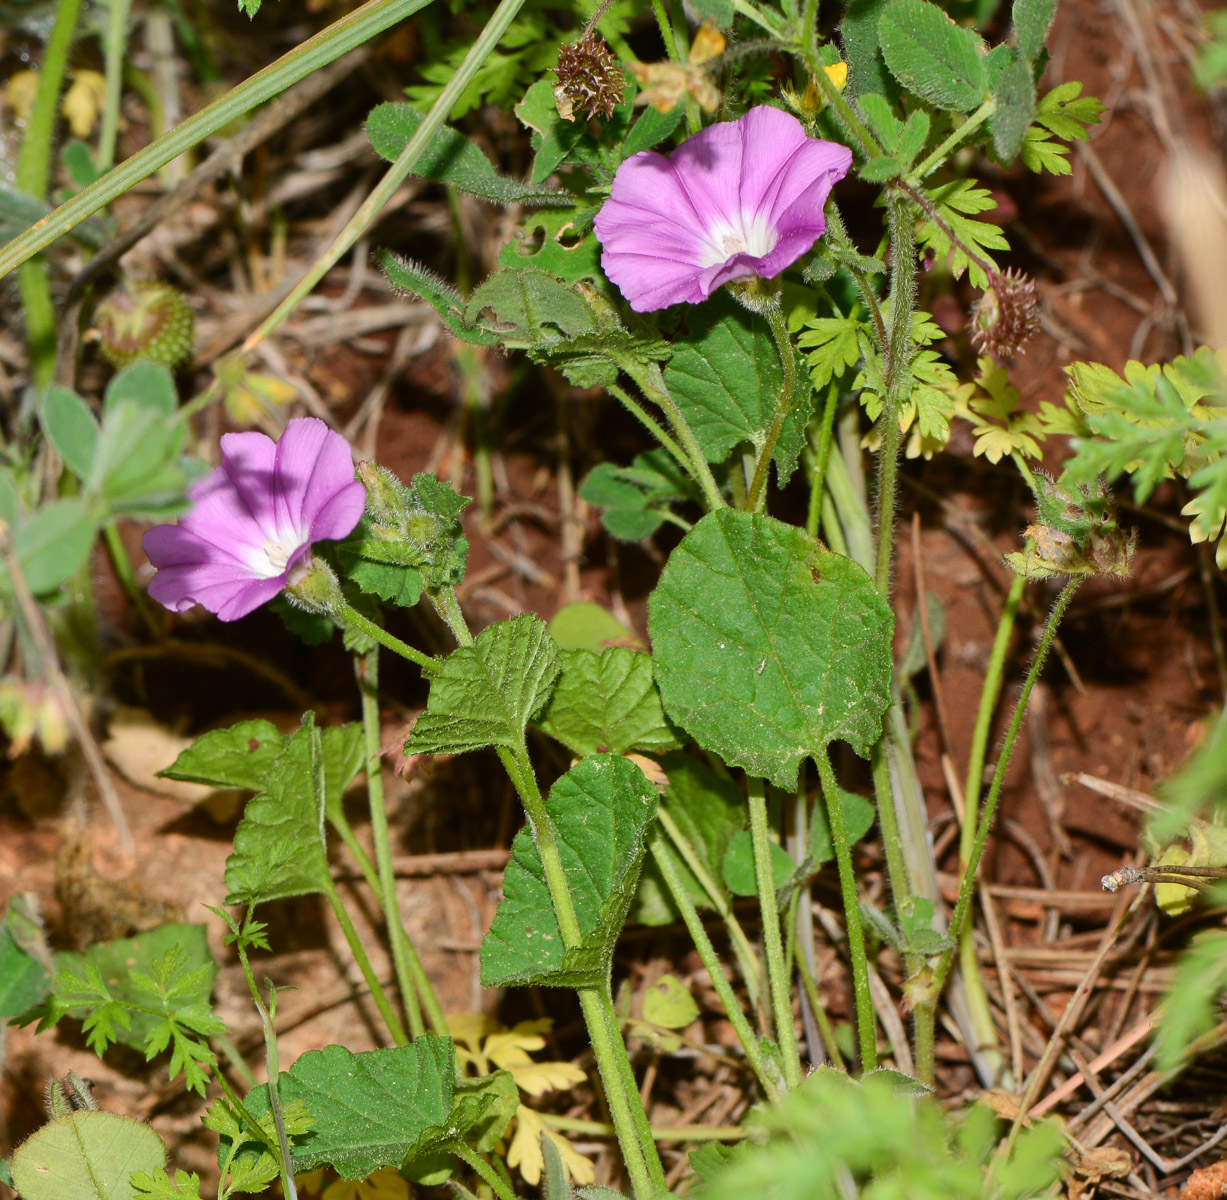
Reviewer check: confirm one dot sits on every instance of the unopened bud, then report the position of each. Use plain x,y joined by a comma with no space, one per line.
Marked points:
145,320
1005,316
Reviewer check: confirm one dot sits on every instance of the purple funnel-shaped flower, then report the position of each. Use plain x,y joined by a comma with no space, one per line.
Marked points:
739,198
254,518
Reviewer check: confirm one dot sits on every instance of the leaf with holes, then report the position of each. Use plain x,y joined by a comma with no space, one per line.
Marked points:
600,810
767,646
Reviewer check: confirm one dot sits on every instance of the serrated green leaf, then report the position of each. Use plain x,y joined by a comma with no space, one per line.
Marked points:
831,345
377,1108
238,757
726,378
70,427
1067,113
709,812
882,120
859,815
1032,20
767,646
451,158
955,201
739,872
530,309
119,967
160,1186
1015,95
859,33
411,278
499,1098
600,810
484,694
933,57
607,702
279,846
86,1156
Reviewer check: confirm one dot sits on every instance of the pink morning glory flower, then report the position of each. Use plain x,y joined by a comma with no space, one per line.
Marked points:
739,198
253,520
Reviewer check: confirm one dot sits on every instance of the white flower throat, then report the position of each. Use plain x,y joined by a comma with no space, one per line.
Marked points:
748,233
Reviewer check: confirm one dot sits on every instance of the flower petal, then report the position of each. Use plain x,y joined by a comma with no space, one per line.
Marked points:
313,464
337,517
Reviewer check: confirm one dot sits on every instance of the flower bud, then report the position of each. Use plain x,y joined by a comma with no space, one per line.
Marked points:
386,500
145,320
315,589
1005,316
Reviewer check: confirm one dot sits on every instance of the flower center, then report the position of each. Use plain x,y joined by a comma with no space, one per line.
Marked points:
278,556
746,233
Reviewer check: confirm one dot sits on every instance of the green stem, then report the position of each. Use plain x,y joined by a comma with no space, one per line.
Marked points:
33,176
899,350
967,885
124,572
666,30
390,1019
711,962
865,140
942,152
825,1030
821,454
616,1059
390,184
773,946
652,426
662,1133
866,1026
113,53
488,1175
434,1014
837,235
611,1070
747,959
651,383
367,670
448,607
783,406
351,616
989,694
344,35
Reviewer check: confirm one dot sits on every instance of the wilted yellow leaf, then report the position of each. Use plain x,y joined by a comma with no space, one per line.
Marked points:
524,1153
83,101
470,1029
19,93
708,43
509,1048
538,1078
385,1184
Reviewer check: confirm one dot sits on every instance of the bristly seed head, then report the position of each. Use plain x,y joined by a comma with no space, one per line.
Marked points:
1005,316
589,77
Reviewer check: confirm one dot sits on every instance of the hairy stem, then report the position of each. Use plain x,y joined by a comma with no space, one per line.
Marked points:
968,883
351,616
866,1025
367,669
783,406
773,946
942,152
711,962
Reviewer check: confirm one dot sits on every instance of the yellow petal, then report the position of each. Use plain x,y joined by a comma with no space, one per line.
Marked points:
19,93
708,42
837,73
83,101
